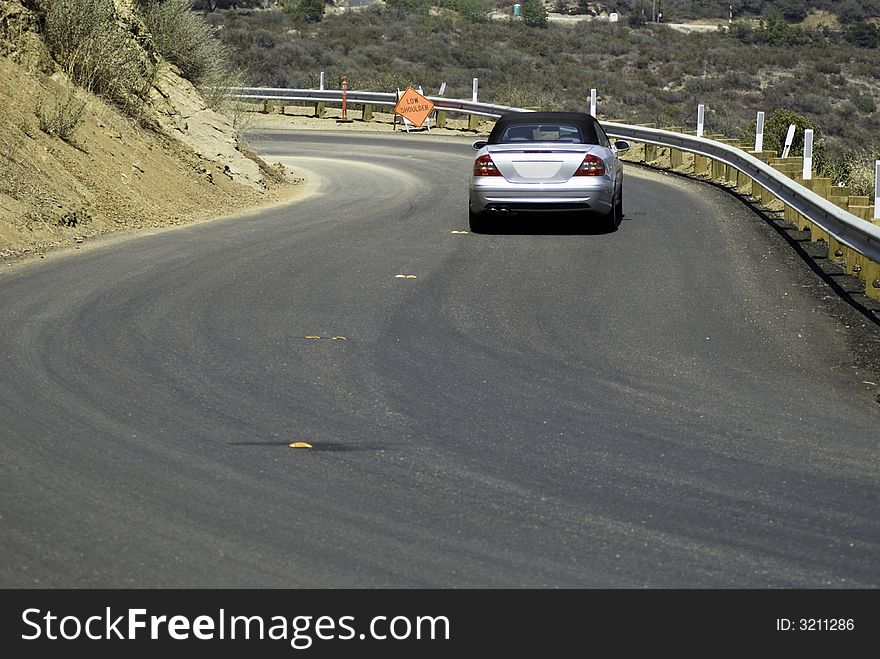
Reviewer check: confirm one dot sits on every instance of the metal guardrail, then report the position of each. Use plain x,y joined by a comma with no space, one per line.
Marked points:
851,231
370,98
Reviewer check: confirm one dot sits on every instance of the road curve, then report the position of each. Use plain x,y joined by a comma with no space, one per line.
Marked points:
676,404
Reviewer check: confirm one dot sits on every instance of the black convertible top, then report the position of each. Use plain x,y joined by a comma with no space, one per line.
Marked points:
583,121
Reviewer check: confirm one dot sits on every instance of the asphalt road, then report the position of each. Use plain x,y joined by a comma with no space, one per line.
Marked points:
677,404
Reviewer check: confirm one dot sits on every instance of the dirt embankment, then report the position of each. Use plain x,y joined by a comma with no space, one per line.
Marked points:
180,162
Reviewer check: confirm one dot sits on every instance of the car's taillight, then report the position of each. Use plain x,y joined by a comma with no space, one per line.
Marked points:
483,166
591,166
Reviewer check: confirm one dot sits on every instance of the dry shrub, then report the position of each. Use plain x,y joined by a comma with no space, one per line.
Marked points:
184,38
64,117
96,51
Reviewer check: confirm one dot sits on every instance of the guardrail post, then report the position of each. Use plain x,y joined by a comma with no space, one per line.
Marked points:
320,109
719,171
858,206
758,191
849,260
870,273
367,114
740,180
862,212
441,119
793,169
473,122
649,151
702,164
676,156
839,196
792,217
715,170
729,173
821,186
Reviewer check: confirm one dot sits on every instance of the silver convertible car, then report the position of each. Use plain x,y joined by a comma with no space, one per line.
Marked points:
546,161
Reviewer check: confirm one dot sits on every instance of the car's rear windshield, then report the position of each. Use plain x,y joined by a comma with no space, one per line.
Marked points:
542,132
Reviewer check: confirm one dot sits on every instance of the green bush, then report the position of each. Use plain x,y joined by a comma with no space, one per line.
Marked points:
476,11
855,170
309,11
776,127
533,13
863,35
402,7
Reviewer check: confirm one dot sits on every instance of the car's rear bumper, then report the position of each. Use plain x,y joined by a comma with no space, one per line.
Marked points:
485,195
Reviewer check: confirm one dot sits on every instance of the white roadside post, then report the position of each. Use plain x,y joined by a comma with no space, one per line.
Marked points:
701,115
592,102
407,124
440,115
877,190
759,133
427,123
320,106
788,140
808,154
473,120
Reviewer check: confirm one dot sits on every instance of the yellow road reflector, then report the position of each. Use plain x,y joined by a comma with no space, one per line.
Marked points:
460,232
300,445
312,336
340,338
407,276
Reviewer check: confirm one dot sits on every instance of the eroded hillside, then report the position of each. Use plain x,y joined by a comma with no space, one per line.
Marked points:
72,165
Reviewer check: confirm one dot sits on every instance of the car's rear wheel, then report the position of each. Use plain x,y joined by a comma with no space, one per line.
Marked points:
478,222
615,215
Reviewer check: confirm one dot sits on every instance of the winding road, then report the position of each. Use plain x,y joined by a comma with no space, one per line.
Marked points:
675,404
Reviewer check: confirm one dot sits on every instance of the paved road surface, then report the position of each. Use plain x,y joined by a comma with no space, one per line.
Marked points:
674,404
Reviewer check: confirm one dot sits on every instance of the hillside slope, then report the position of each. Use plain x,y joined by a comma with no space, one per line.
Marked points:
180,162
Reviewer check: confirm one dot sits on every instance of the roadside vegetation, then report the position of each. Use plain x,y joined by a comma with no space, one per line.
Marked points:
189,42
648,74
845,11
103,55
90,141
96,51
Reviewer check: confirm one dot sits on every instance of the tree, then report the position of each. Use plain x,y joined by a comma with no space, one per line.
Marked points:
534,13
863,35
776,130
475,11
310,11
792,10
403,7
851,11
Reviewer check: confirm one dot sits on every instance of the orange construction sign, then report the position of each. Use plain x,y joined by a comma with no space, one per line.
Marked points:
413,107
